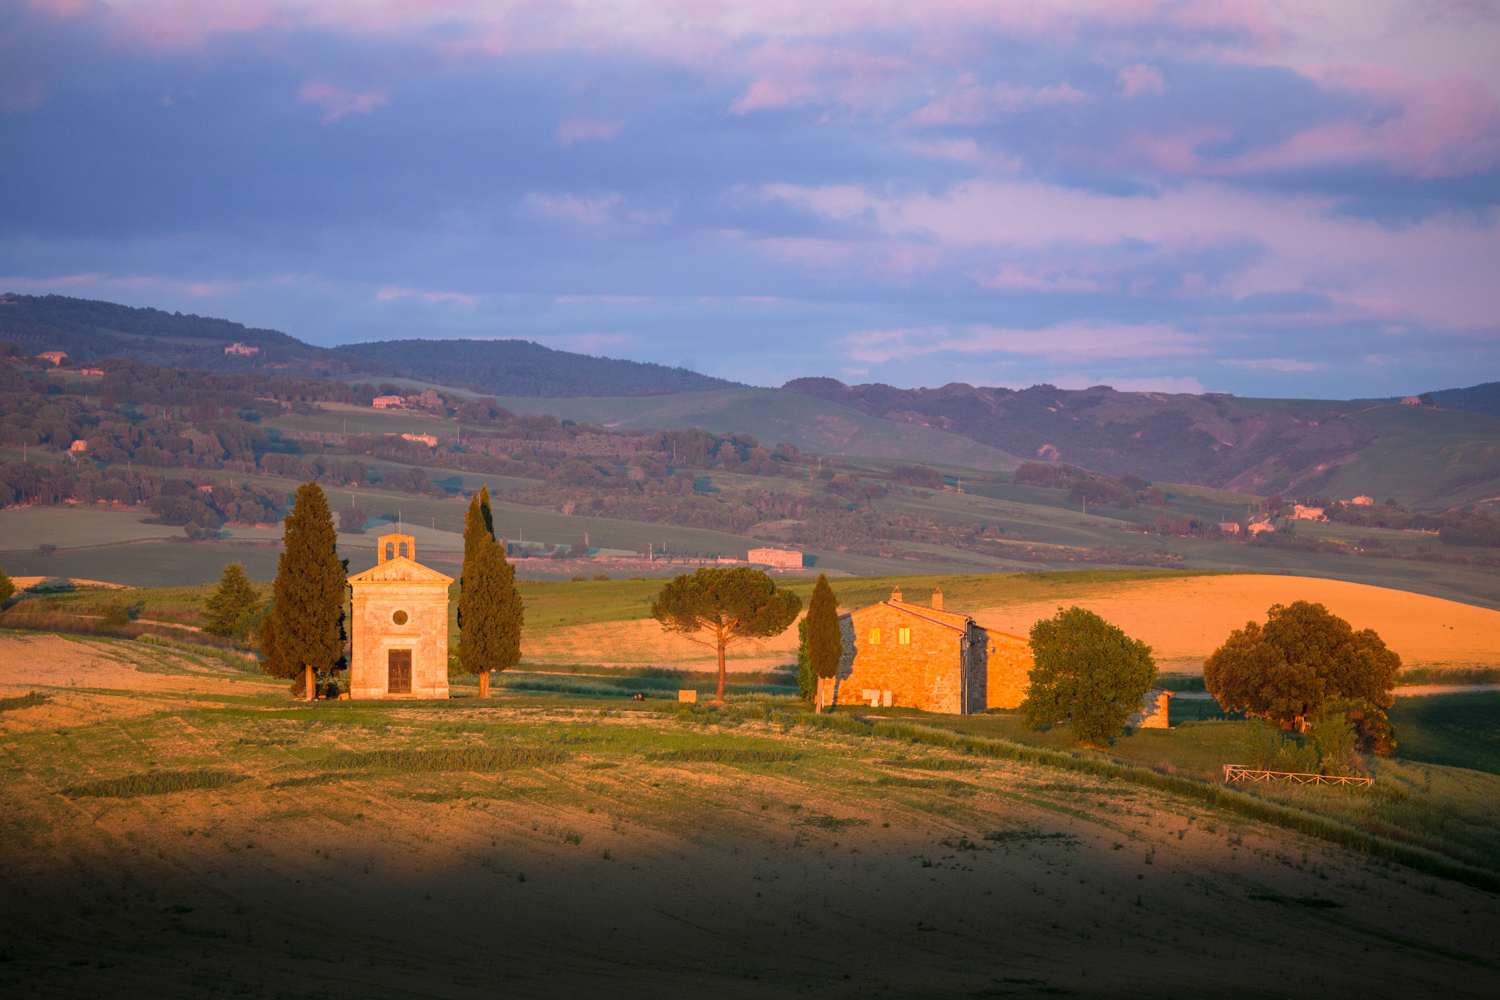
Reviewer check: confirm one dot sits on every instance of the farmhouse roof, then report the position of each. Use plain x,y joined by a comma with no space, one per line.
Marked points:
951,620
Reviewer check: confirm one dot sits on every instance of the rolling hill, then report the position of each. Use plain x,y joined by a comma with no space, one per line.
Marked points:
523,368
1294,446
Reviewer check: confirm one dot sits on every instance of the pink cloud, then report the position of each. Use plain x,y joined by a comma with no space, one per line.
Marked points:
336,103
1142,79
577,131
587,209
1444,128
970,104
389,293
1061,344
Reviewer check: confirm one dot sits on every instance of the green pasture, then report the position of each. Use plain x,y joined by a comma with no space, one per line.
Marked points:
465,748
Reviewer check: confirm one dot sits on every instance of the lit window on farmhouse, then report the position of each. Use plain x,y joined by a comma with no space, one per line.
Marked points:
903,636
874,636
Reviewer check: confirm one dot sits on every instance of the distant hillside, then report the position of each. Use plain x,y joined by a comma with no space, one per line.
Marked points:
1249,445
1483,398
89,331
523,368
773,415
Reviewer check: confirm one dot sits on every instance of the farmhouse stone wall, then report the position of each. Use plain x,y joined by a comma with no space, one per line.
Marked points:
1008,670
947,664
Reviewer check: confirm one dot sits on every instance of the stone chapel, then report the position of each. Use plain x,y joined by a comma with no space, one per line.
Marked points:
400,625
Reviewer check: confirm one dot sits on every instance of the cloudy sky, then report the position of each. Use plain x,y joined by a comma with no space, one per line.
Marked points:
1263,198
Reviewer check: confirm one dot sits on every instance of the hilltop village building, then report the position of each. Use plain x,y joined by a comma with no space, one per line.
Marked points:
913,656
777,558
400,625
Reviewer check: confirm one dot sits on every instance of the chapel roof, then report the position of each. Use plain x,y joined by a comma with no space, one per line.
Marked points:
400,569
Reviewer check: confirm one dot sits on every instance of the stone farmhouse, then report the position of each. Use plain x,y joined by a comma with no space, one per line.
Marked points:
400,625
912,656
778,558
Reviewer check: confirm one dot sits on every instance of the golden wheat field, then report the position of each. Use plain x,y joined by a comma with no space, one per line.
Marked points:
1183,619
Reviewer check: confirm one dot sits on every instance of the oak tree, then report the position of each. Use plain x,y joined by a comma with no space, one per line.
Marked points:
1303,657
1086,672
304,632
725,605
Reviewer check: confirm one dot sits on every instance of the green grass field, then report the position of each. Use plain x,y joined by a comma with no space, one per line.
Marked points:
187,828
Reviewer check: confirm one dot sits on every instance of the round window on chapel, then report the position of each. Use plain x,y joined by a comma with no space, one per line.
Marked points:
399,617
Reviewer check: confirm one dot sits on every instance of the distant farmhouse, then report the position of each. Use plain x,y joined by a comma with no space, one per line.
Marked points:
239,348
776,558
1301,513
911,656
58,358
388,402
426,439
1363,501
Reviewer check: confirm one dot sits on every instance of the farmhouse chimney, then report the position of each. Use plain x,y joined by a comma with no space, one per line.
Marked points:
937,599
896,595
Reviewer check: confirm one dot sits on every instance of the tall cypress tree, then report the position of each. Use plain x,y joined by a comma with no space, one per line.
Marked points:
825,642
304,633
490,612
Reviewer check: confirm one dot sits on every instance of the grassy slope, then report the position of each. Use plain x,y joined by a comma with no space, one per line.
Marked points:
866,843
772,416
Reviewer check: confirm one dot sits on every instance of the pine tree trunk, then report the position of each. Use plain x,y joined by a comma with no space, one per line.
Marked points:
719,698
484,684
818,701
309,683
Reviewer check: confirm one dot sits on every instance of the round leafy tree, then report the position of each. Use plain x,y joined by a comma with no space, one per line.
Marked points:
1303,657
304,633
490,612
1086,672
725,605
7,587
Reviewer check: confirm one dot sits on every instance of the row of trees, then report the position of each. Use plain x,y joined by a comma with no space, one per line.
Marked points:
1305,669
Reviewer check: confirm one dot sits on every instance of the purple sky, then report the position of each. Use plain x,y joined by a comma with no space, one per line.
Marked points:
1294,199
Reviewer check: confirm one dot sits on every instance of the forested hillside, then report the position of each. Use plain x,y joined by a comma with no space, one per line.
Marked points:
1248,445
523,368
89,331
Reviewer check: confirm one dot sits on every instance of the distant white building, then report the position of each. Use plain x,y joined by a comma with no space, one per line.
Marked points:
239,348
388,402
426,439
1229,527
1363,501
1301,513
776,558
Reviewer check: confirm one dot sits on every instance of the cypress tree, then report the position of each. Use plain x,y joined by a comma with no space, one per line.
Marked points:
490,612
825,642
235,596
304,632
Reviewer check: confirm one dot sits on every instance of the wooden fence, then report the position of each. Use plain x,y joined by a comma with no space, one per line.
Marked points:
1239,772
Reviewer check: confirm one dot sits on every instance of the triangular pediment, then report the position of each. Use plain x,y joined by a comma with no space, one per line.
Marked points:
400,570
